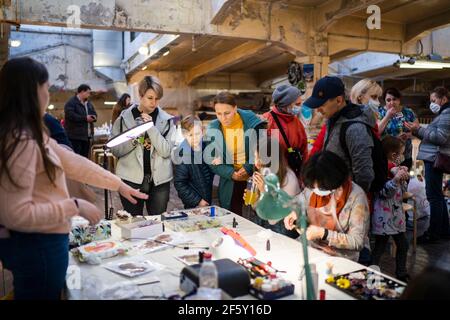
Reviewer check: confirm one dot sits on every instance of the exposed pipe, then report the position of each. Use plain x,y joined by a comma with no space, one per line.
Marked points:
25,53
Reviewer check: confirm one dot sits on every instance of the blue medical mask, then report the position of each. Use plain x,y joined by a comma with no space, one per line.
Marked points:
296,110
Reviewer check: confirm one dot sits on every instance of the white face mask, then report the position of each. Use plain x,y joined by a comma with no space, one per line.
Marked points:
434,107
322,193
373,105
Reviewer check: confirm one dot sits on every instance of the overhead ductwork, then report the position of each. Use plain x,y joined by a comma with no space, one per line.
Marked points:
107,58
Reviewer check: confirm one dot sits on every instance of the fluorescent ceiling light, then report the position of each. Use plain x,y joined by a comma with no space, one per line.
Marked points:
166,53
144,68
51,107
130,134
110,103
415,66
424,65
143,50
15,43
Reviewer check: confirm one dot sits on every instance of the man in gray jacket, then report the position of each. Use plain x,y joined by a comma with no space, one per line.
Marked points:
328,98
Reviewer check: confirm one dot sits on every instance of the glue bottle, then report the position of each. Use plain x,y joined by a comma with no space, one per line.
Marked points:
315,279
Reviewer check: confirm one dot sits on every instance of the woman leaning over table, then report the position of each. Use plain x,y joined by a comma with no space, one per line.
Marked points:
337,209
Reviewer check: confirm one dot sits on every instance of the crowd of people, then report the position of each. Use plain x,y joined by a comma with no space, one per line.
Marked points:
352,180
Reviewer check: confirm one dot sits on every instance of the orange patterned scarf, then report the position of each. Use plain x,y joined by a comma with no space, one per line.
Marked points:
341,195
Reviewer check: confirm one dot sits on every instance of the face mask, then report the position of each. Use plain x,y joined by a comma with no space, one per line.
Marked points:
434,107
296,110
322,193
373,105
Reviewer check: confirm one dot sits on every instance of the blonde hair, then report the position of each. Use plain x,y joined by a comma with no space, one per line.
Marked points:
153,83
362,87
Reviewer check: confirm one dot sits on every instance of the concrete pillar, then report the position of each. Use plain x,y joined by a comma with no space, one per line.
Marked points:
4,43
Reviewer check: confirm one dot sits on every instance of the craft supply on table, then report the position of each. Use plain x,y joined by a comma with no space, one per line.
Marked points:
160,242
271,289
257,268
124,217
141,229
322,295
83,233
266,284
94,252
189,258
239,240
210,211
173,215
193,224
365,284
133,267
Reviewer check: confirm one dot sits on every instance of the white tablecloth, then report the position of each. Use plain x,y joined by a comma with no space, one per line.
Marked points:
285,254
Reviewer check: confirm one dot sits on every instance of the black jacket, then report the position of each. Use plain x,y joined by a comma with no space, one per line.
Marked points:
76,124
192,181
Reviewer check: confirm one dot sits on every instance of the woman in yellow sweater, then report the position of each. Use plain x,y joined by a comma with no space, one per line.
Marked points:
35,207
233,136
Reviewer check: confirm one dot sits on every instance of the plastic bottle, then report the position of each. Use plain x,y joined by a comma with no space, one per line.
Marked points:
315,278
250,195
208,276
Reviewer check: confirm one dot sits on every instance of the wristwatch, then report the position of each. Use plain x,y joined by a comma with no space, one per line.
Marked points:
325,234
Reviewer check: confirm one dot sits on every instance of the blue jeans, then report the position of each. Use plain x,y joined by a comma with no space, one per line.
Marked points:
439,221
38,263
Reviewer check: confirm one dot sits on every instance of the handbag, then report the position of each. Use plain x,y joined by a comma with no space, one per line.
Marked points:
442,162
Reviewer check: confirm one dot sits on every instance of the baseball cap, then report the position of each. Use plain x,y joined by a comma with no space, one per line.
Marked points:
326,88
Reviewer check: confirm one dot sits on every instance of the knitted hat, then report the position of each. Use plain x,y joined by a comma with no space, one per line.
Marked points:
285,95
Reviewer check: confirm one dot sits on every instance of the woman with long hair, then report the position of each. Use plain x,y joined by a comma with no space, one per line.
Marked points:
35,207
123,103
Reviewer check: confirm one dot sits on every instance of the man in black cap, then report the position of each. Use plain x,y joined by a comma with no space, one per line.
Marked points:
356,144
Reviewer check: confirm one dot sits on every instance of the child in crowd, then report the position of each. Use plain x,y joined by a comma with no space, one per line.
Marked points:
193,178
276,161
388,218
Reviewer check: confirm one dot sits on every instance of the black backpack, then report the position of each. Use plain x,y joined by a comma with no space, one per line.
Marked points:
379,159
294,157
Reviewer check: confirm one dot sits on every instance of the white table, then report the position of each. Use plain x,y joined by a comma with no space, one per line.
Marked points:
285,254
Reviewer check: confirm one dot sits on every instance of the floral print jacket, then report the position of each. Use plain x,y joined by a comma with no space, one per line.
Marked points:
352,226
388,217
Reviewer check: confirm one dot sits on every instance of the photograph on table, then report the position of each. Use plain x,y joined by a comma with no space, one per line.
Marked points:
133,267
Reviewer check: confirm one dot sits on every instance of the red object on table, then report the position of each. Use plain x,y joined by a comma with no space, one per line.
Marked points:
239,240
